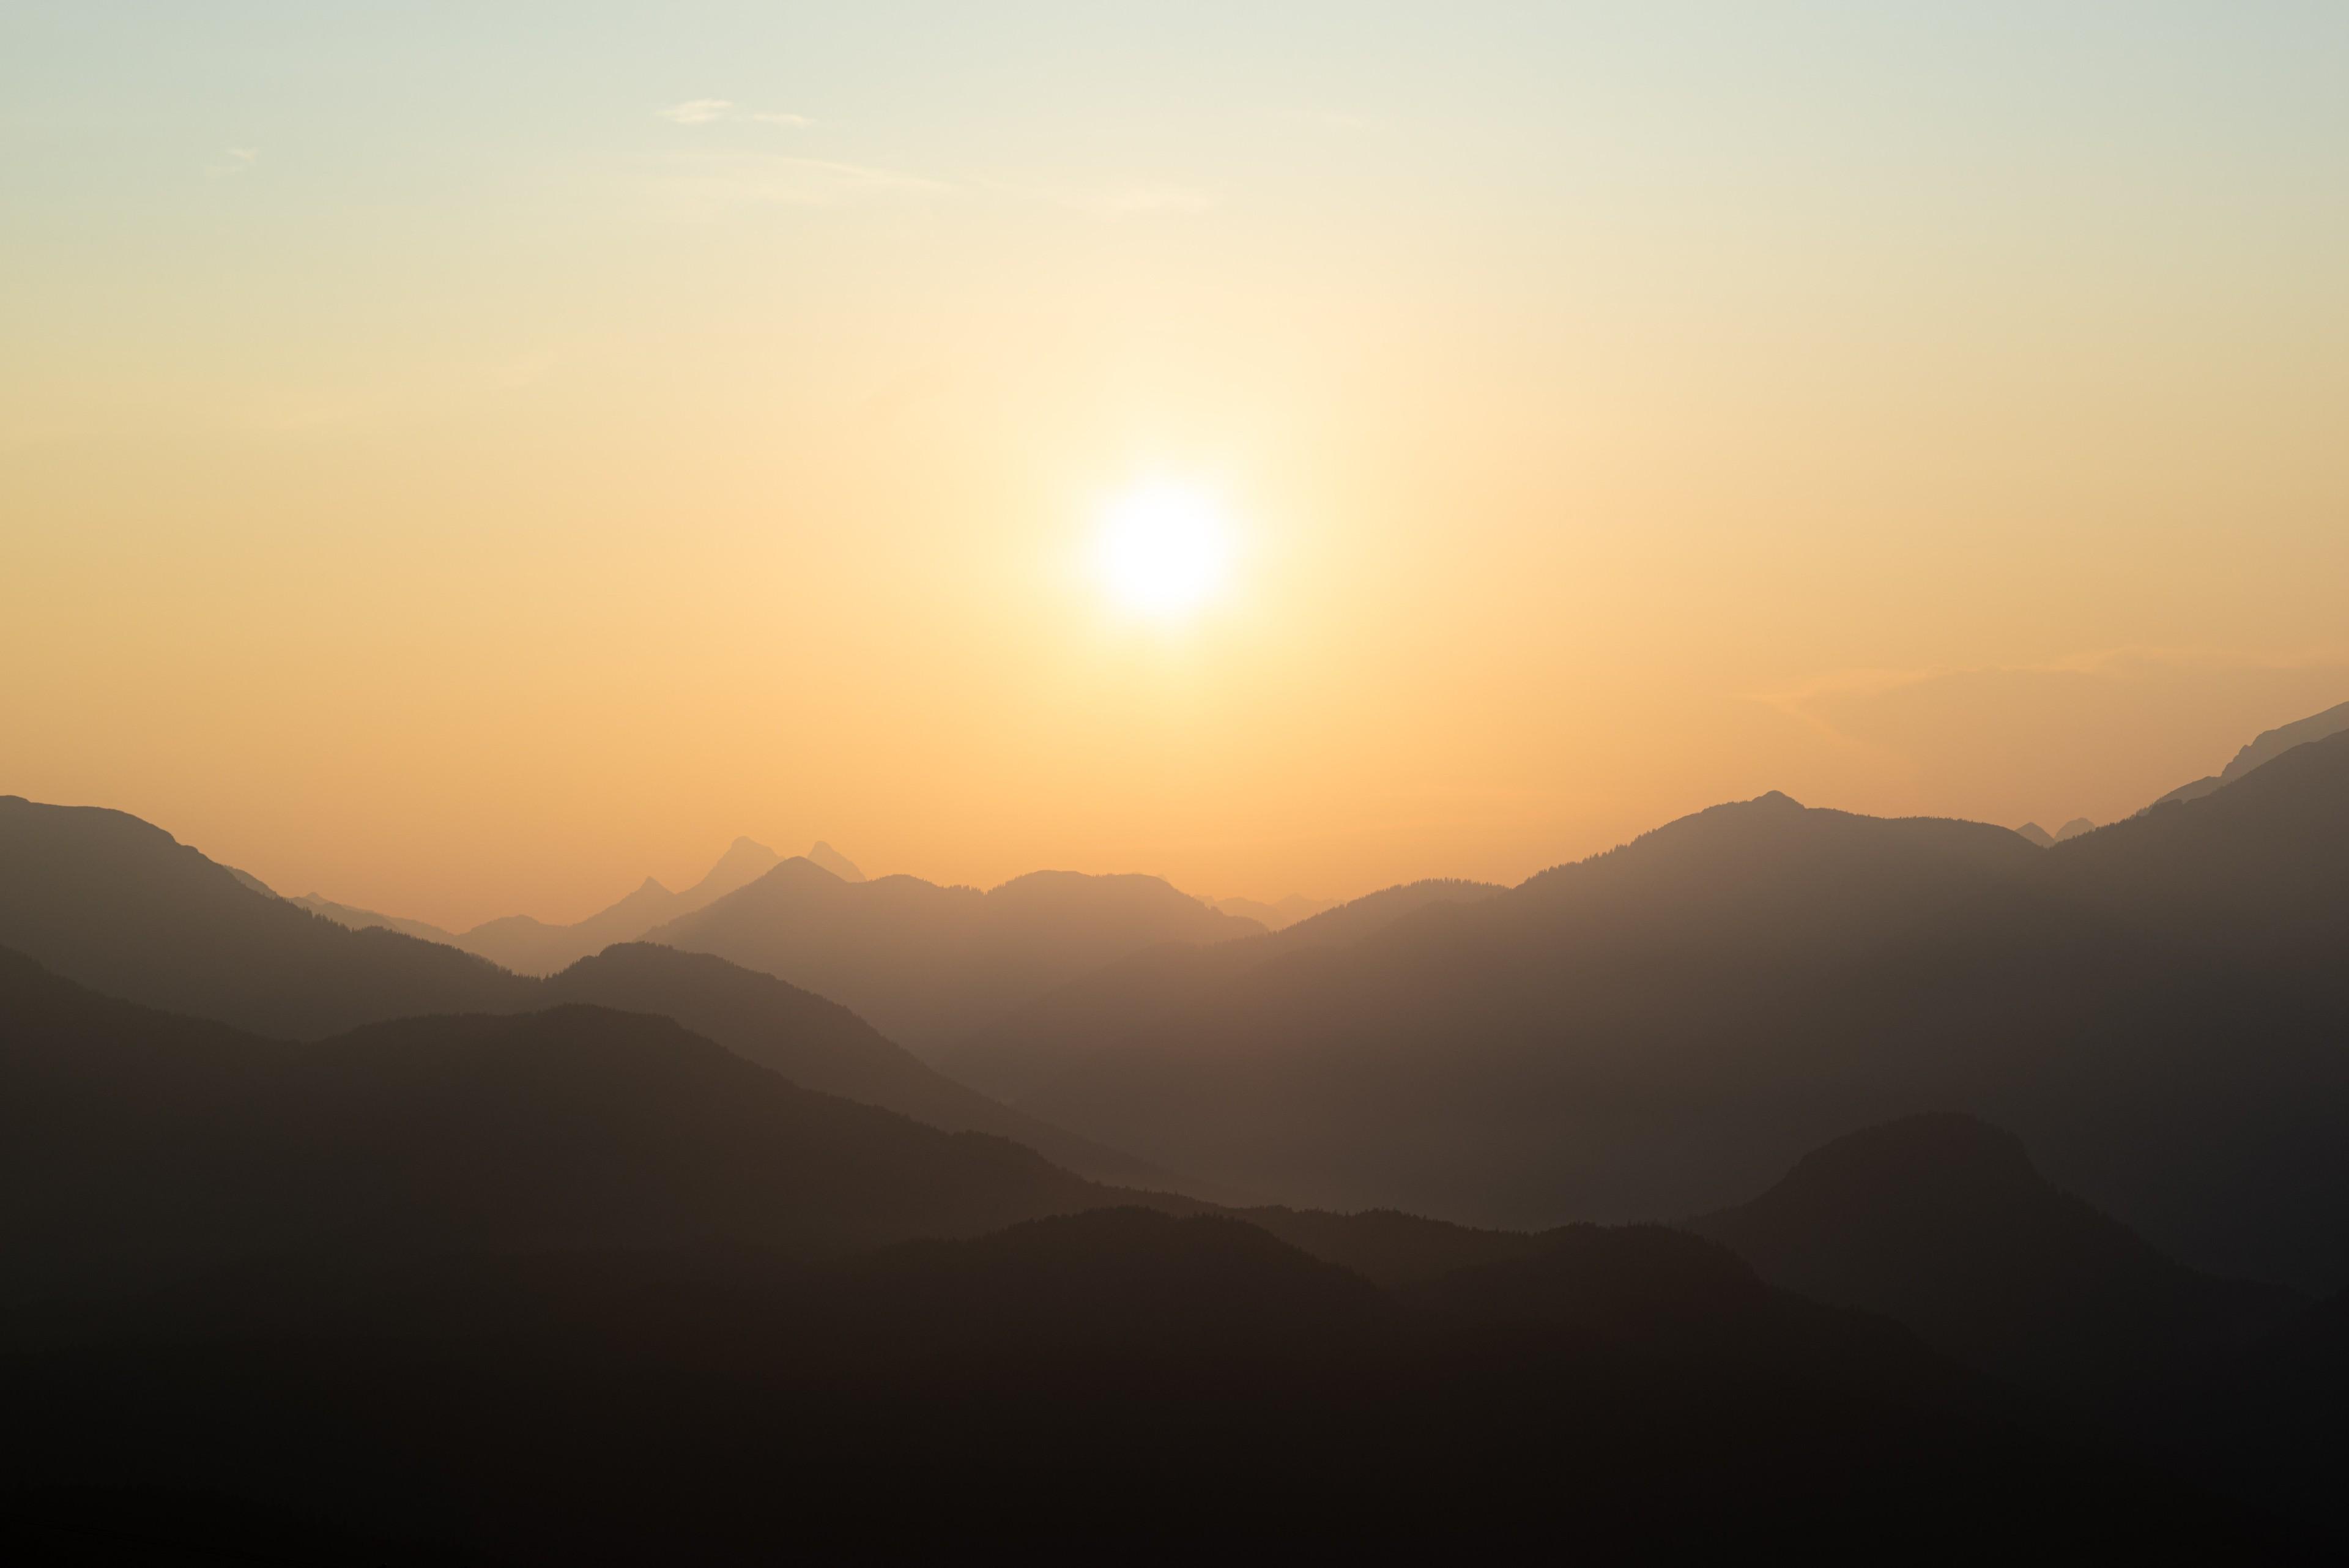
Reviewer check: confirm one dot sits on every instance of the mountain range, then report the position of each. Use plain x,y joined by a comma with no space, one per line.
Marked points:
109,901
2153,1005
928,965
528,946
347,1282
2006,1190
137,1143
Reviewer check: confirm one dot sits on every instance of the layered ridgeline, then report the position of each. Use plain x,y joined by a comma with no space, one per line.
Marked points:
116,904
138,1145
2265,748
928,965
355,1279
1660,1030
529,946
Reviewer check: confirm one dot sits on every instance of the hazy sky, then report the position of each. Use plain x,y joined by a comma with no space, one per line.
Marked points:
464,458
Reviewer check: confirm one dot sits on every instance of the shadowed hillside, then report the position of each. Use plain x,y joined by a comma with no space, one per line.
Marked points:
107,900
1942,1223
134,1141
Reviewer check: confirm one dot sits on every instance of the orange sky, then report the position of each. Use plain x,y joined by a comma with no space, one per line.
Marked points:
464,465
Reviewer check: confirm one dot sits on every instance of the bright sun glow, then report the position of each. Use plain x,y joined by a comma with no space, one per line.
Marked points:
1162,550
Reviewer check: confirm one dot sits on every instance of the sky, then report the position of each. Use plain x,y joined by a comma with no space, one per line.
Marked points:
463,459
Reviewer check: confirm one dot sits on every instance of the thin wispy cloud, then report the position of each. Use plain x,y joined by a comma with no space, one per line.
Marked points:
234,161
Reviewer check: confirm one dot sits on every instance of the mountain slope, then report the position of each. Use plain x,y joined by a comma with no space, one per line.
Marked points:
359,920
528,946
831,859
1666,1028
135,1140
1942,1223
1015,1055
2256,868
927,964
2264,749
107,900
817,1044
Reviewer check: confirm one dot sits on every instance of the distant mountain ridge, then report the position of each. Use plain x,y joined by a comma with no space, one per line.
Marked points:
1018,1053
2263,749
529,946
927,964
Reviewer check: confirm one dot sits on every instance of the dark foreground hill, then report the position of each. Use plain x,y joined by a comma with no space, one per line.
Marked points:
928,964
1942,1223
135,1145
1115,1383
115,904
2155,1008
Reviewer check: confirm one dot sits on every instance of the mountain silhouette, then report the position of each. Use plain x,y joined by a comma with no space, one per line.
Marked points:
529,947
1664,1029
1942,1223
359,920
253,882
106,899
926,965
2074,829
2264,749
110,902
2037,835
832,860
135,1140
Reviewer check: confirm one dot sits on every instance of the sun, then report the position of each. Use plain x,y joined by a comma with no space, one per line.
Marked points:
1162,550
